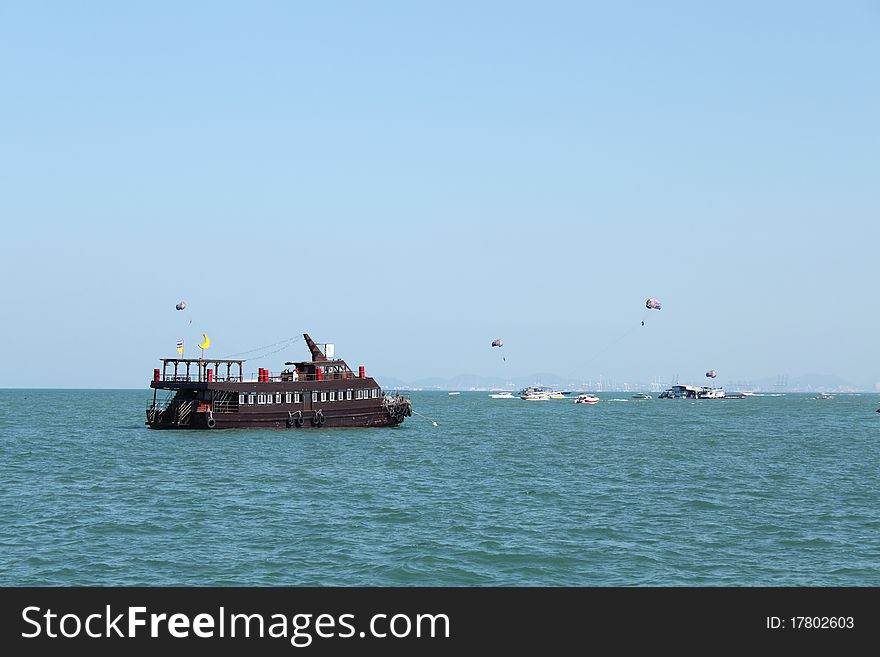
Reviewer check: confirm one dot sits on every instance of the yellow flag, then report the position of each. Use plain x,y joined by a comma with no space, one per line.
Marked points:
206,342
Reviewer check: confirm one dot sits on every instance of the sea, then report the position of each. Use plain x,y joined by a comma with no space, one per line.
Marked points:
469,491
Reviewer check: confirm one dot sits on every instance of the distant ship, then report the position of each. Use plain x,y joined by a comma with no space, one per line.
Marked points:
692,392
321,392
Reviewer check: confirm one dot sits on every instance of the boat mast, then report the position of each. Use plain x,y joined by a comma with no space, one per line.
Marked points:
317,354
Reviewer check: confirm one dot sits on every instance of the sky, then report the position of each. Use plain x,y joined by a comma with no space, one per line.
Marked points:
413,180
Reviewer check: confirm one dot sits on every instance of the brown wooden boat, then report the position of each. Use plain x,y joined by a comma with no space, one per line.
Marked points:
323,392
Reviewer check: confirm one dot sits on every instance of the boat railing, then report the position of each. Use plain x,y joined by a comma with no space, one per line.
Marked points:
224,402
232,378
160,405
287,376
171,409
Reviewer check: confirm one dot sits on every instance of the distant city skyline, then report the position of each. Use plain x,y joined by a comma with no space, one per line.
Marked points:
411,182
781,383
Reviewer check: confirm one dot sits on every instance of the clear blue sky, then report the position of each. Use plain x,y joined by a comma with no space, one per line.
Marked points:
412,180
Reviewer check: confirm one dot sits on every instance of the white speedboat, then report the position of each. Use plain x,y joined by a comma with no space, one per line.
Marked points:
544,393
502,395
710,393
824,395
641,395
586,399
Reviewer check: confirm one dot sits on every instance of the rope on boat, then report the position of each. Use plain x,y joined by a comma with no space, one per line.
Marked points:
284,344
426,417
610,343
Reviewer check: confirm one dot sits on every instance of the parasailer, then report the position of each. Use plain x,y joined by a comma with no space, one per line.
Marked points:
180,306
498,342
650,304
711,374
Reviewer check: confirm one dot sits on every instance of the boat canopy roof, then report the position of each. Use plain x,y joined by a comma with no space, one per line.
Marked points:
225,361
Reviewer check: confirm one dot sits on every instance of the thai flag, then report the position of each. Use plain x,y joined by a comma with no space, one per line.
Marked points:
180,346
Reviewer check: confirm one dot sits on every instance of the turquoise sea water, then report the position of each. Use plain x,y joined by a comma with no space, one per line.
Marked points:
761,491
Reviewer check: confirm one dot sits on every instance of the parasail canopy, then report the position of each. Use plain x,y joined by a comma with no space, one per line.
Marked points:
711,374
181,305
652,304
498,342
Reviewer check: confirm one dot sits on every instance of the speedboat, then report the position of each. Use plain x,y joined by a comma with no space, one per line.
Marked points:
540,392
706,392
586,399
503,395
641,395
824,395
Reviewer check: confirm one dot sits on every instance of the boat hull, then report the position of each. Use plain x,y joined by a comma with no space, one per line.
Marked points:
276,421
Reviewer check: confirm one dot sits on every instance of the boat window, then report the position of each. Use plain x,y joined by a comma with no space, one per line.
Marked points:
241,400
287,397
332,395
296,399
261,398
324,396
374,393
269,398
251,398
314,396
348,395
277,397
